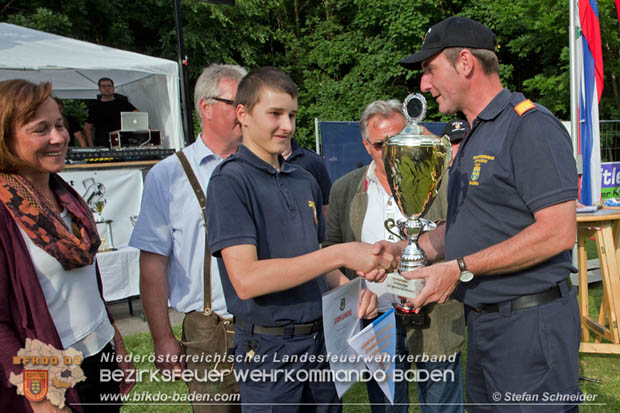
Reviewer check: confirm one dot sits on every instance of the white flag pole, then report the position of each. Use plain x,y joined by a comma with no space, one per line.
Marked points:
574,81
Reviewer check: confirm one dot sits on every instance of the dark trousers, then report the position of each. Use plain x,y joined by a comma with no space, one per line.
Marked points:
90,390
277,393
519,360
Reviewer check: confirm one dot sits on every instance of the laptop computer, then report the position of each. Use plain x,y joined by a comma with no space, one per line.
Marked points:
134,121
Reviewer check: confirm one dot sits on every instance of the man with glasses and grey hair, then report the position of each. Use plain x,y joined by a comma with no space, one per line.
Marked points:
170,233
359,204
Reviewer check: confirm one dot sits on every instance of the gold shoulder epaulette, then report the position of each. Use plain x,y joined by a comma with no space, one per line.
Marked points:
524,106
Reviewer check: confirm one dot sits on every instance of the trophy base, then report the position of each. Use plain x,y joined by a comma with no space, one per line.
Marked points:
409,316
398,285
104,229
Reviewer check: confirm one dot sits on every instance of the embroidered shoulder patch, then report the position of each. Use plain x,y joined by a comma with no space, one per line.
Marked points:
524,106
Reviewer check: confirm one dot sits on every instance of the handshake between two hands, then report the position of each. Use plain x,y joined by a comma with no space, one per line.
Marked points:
440,279
374,262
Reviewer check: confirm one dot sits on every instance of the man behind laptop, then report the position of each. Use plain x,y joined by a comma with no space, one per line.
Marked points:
170,233
104,116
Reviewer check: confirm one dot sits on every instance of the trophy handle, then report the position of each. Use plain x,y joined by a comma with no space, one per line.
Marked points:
427,225
390,224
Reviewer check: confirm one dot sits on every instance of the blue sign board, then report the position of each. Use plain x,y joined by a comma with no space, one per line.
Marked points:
610,180
343,150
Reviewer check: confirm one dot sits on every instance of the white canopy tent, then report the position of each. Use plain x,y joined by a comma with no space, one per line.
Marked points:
73,67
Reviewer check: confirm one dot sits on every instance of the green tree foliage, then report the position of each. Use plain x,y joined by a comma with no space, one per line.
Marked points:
533,38
341,53
526,30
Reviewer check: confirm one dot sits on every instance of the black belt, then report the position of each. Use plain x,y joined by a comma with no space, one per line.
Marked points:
297,329
527,301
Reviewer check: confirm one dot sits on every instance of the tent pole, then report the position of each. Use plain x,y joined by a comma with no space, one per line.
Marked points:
188,123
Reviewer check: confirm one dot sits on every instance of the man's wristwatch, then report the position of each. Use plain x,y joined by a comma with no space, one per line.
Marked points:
465,275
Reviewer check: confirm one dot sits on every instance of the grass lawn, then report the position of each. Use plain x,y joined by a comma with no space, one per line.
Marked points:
605,368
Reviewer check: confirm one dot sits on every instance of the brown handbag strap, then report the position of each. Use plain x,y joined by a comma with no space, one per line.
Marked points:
202,202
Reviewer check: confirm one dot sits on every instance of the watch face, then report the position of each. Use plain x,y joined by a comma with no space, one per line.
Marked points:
466,276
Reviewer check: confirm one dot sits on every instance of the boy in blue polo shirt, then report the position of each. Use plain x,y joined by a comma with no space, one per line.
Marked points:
265,227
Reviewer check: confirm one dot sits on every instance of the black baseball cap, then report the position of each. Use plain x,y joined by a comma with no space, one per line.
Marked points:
456,130
455,31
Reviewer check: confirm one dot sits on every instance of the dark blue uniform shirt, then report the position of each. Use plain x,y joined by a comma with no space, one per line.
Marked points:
249,202
312,163
508,167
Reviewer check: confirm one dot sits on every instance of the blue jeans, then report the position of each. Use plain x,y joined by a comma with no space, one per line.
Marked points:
440,396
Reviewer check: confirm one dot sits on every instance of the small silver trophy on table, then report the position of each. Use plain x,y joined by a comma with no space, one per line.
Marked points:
415,161
94,197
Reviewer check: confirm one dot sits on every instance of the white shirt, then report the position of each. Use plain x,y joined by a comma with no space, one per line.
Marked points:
73,300
381,206
170,223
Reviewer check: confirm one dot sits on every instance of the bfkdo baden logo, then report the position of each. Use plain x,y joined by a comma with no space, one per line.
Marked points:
35,384
47,372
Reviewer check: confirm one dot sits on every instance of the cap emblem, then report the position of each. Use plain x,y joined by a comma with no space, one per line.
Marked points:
426,36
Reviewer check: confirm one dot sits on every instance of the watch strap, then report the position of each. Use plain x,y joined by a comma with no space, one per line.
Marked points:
461,262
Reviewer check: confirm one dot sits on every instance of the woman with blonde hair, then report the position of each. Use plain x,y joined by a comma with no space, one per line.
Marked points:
50,288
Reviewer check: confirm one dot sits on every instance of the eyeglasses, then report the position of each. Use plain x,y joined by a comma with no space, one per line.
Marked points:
227,101
377,145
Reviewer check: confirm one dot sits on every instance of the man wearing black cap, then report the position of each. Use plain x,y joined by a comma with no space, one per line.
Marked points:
456,131
509,229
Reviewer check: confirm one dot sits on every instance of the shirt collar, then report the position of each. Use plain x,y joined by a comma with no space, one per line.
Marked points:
295,150
371,174
248,156
203,153
496,106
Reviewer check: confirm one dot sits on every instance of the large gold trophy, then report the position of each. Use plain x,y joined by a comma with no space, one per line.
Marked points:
415,161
